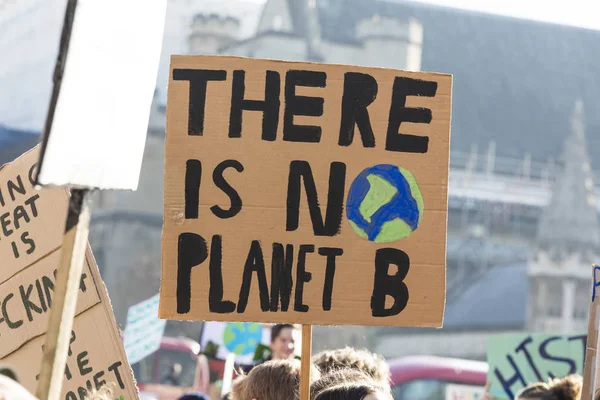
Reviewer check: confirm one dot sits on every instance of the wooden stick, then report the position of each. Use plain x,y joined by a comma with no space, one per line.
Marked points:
305,362
591,370
64,300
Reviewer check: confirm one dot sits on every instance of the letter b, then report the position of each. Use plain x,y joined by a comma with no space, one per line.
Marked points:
392,285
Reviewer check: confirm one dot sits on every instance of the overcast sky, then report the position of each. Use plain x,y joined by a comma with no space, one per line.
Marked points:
582,13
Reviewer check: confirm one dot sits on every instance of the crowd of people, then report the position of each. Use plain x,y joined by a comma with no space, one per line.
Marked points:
342,374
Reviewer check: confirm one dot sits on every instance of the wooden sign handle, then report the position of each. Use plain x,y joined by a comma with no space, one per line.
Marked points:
305,362
64,300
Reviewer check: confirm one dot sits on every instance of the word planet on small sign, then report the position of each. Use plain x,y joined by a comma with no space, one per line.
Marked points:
305,193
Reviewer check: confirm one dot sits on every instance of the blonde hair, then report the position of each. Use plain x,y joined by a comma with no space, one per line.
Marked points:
273,380
104,393
370,364
567,388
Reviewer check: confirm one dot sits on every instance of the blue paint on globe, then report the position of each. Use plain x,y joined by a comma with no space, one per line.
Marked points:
406,204
242,338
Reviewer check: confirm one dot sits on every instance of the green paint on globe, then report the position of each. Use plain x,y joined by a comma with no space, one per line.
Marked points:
242,338
384,204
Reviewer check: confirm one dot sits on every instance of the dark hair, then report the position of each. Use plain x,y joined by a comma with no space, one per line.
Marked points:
347,391
276,330
9,373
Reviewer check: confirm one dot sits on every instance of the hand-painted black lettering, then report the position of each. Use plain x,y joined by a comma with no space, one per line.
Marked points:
97,382
82,286
544,354
216,303
82,361
11,324
523,348
48,285
71,396
31,175
254,263
399,113
281,276
5,223
508,383
221,183
31,203
28,304
20,213
18,187
198,79
114,368
335,198
269,107
302,105
302,276
193,176
38,286
73,337
191,251
83,393
360,91
392,285
28,241
15,250
331,253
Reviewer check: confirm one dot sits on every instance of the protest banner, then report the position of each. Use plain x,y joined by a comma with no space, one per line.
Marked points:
143,330
591,374
304,193
32,223
518,360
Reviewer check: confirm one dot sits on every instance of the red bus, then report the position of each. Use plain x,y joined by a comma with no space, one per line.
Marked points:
437,378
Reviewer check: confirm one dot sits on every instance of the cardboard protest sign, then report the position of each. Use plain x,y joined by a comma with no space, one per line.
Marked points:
96,355
591,374
305,193
144,330
518,360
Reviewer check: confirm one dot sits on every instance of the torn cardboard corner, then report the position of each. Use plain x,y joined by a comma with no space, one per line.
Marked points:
96,354
31,221
305,193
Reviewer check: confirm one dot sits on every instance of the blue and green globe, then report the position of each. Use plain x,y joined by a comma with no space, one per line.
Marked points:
242,338
384,204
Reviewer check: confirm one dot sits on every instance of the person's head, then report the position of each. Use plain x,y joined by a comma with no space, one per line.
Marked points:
567,388
370,364
273,380
8,372
194,396
283,342
349,384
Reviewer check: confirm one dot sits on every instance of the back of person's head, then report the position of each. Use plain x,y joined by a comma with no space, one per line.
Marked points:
8,372
194,396
371,364
273,380
349,385
567,388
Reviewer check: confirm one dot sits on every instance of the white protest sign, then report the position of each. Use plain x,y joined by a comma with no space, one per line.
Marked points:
144,330
97,134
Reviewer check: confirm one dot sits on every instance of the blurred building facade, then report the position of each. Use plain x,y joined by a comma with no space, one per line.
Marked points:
522,226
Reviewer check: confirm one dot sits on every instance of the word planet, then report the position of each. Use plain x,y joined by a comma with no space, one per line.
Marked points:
384,204
242,338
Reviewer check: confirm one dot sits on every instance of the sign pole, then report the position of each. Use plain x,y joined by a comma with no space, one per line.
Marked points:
590,372
305,362
64,301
